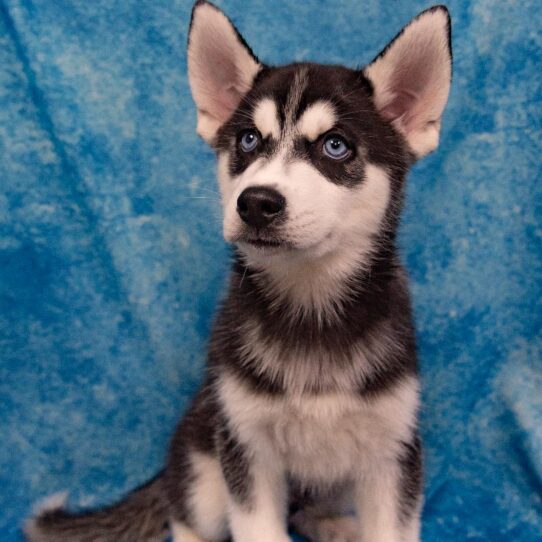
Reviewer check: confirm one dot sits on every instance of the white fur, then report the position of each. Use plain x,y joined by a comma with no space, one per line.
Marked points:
312,201
412,80
412,530
317,119
181,533
220,69
378,502
53,502
298,86
209,496
334,227
327,437
266,118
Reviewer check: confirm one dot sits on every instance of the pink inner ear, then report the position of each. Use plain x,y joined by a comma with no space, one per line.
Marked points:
221,68
411,79
222,82
224,102
402,102
412,90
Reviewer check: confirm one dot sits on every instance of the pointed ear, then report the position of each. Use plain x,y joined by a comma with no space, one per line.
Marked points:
411,79
221,67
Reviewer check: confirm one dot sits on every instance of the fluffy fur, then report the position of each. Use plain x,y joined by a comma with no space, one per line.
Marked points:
308,412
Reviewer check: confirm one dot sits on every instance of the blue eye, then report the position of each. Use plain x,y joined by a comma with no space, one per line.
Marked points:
335,147
249,140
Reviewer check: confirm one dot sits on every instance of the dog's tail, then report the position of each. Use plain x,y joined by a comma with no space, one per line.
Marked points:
142,516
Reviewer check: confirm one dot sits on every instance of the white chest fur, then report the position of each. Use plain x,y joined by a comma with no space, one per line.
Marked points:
326,437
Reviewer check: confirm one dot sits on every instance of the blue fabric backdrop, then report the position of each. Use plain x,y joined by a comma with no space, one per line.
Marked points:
112,262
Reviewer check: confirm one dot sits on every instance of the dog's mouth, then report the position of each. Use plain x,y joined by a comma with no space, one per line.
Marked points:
264,243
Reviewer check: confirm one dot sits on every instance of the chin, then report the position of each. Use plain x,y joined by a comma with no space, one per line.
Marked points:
265,252
262,254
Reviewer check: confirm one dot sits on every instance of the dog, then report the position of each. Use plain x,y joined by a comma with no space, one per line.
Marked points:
307,416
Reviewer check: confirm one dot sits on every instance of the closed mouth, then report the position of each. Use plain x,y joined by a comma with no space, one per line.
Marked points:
264,243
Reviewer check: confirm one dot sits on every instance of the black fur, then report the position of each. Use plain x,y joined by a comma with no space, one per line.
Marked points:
235,464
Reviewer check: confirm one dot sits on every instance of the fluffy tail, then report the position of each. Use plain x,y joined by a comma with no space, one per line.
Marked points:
142,516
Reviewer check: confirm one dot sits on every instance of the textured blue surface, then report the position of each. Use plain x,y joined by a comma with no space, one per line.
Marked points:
111,258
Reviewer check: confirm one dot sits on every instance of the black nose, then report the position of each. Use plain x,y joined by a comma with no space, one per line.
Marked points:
258,206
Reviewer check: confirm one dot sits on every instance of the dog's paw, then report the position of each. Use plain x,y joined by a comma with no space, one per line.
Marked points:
326,529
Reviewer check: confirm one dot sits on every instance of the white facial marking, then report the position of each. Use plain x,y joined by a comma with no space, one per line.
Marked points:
266,118
230,190
317,119
331,227
298,86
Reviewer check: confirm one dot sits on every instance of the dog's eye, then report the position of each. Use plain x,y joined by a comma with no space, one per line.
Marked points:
336,147
249,140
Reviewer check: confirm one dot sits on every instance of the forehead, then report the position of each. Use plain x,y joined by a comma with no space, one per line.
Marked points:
302,94
294,88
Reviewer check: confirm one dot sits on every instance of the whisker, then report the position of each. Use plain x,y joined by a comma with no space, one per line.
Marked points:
209,190
243,277
199,197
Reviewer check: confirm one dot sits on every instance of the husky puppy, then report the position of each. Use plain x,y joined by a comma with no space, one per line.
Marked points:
308,413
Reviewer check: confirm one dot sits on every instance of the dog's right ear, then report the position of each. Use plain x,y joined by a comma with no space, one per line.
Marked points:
411,79
221,67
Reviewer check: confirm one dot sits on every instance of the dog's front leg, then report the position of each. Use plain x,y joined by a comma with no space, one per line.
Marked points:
378,503
263,517
257,490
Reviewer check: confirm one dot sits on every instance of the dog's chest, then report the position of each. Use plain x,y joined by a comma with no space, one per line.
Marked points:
320,437
325,437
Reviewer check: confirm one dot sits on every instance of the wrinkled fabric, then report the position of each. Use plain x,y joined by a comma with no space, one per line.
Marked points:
112,261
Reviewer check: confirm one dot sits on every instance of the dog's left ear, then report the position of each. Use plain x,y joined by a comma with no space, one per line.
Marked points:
221,67
411,79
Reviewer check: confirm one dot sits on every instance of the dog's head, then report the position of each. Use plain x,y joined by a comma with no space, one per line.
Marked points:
311,157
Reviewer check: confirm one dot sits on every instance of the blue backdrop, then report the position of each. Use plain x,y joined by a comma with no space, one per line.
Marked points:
112,262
